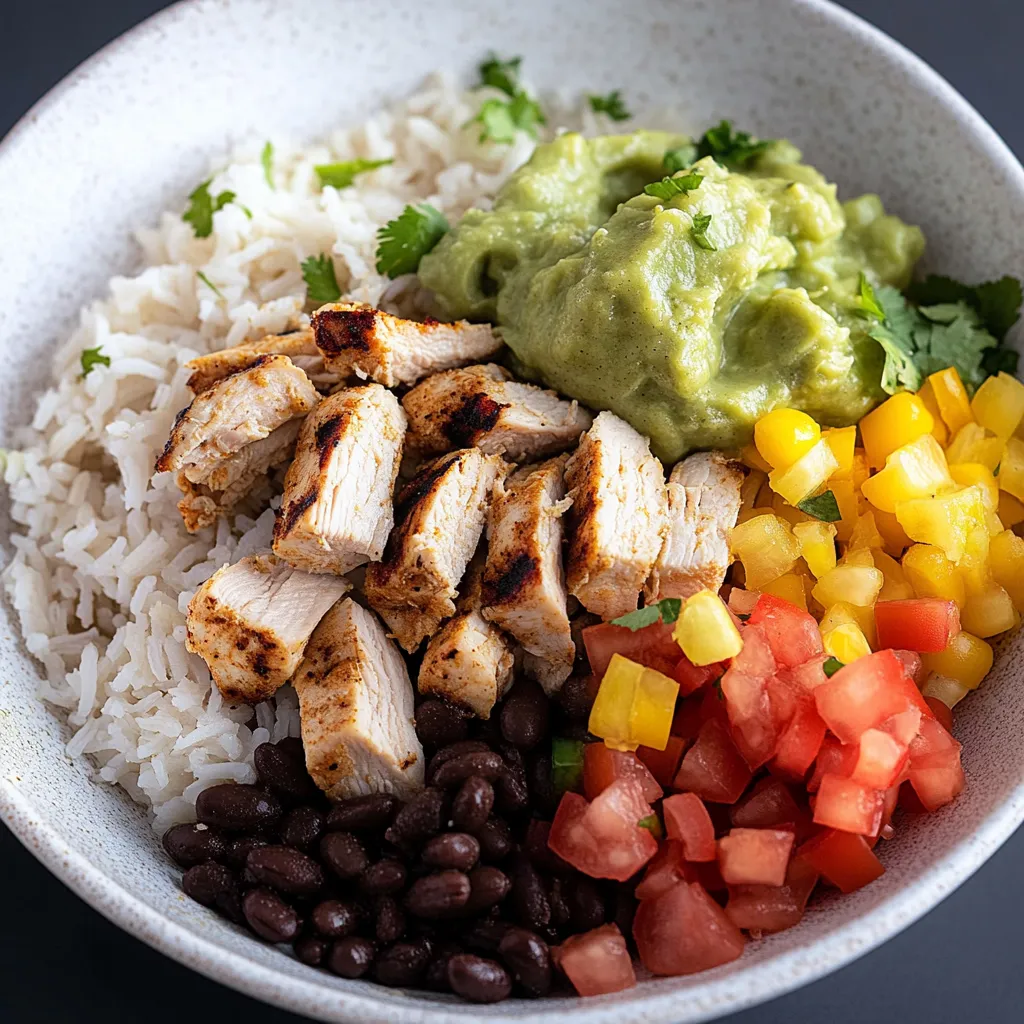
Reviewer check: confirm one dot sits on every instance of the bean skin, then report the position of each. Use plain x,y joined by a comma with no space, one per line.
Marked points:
495,840
529,897
524,714
385,877
544,796
334,919
403,964
453,750
438,894
472,804
237,807
191,844
280,771
488,886
350,957
269,916
478,980
311,949
486,935
421,817
457,850
486,764
528,957
205,883
576,698
391,924
439,723
239,849
344,854
302,828
285,869
359,813
586,905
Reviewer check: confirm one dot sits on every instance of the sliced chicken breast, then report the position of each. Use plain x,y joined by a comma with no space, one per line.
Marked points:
439,518
485,407
524,588
359,341
336,513
356,708
618,516
703,503
250,623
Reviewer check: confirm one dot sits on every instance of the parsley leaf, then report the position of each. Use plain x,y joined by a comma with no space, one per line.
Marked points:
321,283
997,302
653,825
831,666
209,284
404,241
267,159
823,507
666,610
701,223
501,74
611,105
341,175
669,187
91,358
501,119
733,149
202,206
679,158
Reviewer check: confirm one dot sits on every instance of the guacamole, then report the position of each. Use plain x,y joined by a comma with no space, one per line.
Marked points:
619,299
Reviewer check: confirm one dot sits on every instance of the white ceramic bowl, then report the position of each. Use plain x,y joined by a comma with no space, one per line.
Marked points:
132,131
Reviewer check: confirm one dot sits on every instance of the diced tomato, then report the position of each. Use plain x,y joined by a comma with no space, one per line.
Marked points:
889,801
684,931
880,761
602,766
706,873
687,819
811,674
791,632
712,704
769,804
935,772
692,677
773,908
800,741
912,665
755,856
745,687
843,858
931,738
943,712
848,805
742,602
667,868
834,758
663,764
904,727
689,716
596,962
917,624
712,768
652,646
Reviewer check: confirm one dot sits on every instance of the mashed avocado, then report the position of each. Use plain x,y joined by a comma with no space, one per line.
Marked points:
616,298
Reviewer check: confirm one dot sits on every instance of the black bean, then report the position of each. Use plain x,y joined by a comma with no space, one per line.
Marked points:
575,697
544,797
344,855
350,957
529,896
439,723
239,849
229,903
453,750
528,957
280,771
488,886
535,847
422,816
478,980
438,894
486,934
334,919
204,883
624,906
403,964
513,792
237,807
302,827
558,900
371,812
292,746
586,904
390,924
311,949
495,840
269,916
286,869
486,764
524,714
436,977
472,804
385,877
191,844
457,850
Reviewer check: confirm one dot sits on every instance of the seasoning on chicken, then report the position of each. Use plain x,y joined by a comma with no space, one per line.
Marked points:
359,341
250,622
336,513
469,662
485,407
618,516
703,503
524,584
298,346
356,708
209,441
439,517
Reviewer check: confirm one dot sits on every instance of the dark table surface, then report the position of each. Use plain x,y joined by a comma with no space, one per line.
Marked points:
61,963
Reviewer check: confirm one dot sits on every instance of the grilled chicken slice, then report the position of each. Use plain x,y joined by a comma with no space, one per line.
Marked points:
703,503
618,516
524,585
439,517
250,622
238,411
336,513
356,708
469,662
484,406
298,346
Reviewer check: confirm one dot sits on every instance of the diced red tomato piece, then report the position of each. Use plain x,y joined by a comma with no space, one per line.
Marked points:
651,646
745,688
912,665
689,716
596,962
835,758
755,856
769,804
935,772
667,868
687,819
800,741
848,805
712,704
791,632
773,908
904,727
931,738
811,674
889,801
843,858
712,768
880,761
684,931
663,764
742,602
943,712
692,677
917,624
602,766
707,875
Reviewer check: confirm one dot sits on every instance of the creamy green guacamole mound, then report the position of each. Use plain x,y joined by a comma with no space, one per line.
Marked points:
607,294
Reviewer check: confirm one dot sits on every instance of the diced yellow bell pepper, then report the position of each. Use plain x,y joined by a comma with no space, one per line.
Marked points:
945,521
951,398
705,629
1011,469
790,513
939,429
917,470
973,565
843,612
766,547
791,587
949,691
817,545
751,457
1006,562
806,476
842,441
894,537
973,443
988,612
896,587
861,470
857,556
966,659
846,642
634,706
865,533
896,422
932,574
1010,510
998,405
967,473
849,507
784,436
855,584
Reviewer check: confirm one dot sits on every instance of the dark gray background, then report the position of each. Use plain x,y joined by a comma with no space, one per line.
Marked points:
62,962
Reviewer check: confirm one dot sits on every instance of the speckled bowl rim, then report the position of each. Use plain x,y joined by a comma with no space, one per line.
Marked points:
762,982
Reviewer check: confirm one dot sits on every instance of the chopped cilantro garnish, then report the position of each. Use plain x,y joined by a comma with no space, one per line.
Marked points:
321,283
679,158
669,187
267,159
666,610
209,284
701,223
202,206
997,302
501,119
501,74
823,507
831,666
566,763
733,149
341,175
611,105
91,358
653,825
404,241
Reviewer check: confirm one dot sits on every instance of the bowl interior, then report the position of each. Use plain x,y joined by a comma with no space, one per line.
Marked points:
143,121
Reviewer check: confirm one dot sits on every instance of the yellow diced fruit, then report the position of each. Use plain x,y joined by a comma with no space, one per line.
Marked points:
790,587
973,443
932,574
846,642
817,545
917,470
1010,510
858,556
842,441
939,429
896,587
966,659
634,706
988,612
784,436
998,405
751,457
806,476
843,612
790,513
846,497
949,691
945,521
650,720
951,398
865,533
861,471
1011,469
894,537
973,564
967,473
766,547
896,422
705,630
1006,561
855,584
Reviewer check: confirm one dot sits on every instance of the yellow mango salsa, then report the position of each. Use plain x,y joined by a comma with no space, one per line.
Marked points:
634,706
915,470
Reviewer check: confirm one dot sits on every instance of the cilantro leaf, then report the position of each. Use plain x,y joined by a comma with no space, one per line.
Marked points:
831,666
91,358
952,334
1000,360
679,158
669,187
209,284
267,159
653,825
341,175
611,105
701,223
823,507
321,283
870,307
892,326
500,120
501,74
404,241
202,206
666,610
997,302
733,149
